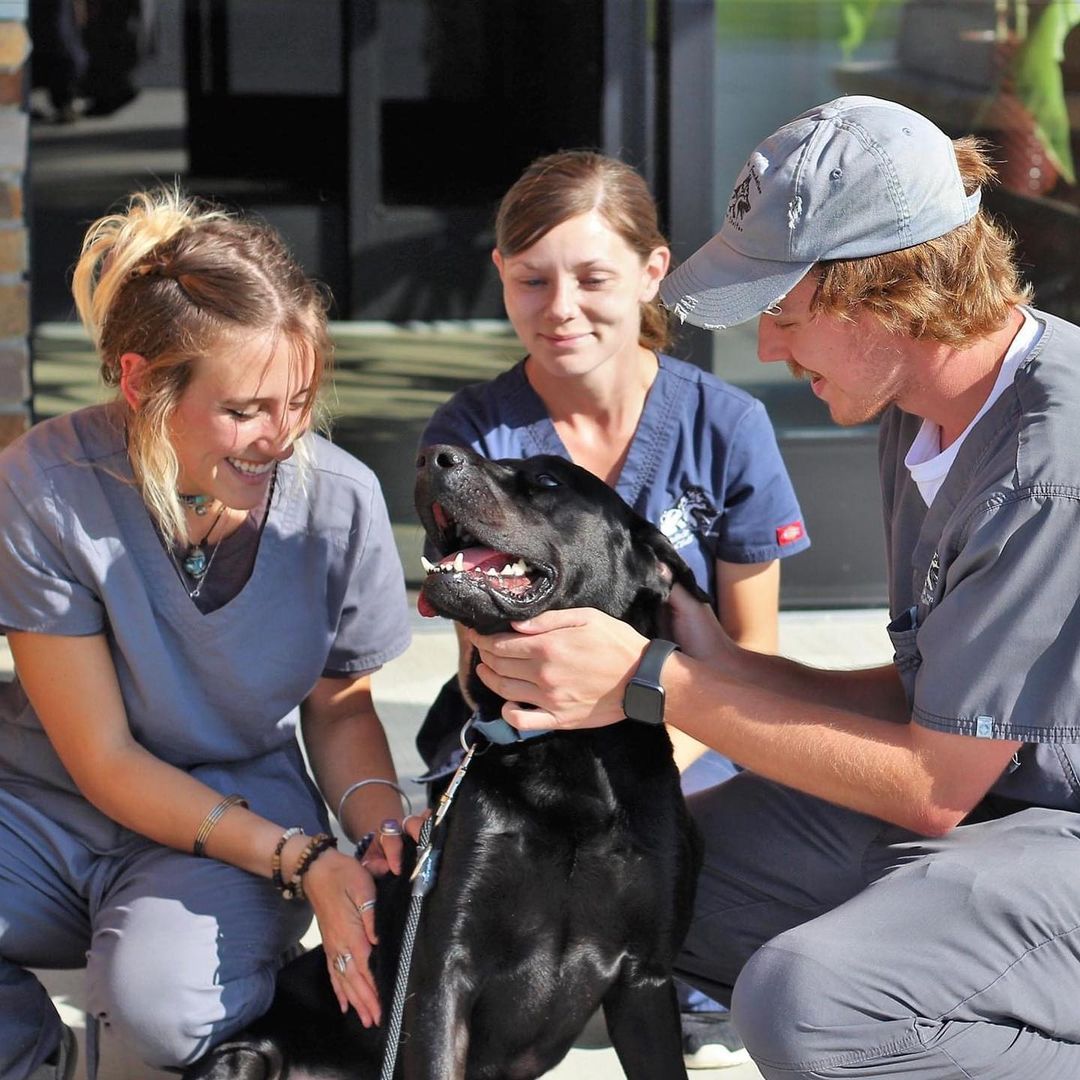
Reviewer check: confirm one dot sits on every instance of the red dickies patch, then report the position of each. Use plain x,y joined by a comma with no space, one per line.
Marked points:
789,533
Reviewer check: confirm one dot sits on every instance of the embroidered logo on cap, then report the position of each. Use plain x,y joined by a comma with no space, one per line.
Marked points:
789,533
740,204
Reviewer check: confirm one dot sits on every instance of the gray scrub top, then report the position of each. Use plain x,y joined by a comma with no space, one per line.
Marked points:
215,694
984,585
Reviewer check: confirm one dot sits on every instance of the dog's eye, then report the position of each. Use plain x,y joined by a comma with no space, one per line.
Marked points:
547,480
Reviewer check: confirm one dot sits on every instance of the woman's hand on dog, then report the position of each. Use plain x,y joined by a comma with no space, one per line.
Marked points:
342,892
386,848
337,886
571,666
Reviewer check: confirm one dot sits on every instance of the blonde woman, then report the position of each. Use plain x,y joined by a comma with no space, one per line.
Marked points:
188,577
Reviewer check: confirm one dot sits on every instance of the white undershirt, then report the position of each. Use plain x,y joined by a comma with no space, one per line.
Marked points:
925,460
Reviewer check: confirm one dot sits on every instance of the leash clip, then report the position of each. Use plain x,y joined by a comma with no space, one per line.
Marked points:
447,796
427,862
425,871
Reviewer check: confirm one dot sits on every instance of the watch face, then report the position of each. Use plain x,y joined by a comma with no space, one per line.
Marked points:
644,702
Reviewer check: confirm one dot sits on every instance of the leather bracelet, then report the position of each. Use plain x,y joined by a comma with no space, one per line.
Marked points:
320,842
275,859
198,848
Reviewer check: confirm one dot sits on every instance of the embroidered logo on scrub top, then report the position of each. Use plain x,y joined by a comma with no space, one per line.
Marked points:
930,584
693,513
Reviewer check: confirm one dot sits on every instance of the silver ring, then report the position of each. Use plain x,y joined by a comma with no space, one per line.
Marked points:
367,905
342,961
390,827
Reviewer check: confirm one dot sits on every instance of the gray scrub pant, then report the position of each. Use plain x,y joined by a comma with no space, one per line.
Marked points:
180,952
850,948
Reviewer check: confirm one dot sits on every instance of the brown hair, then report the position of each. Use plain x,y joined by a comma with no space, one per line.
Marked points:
172,278
560,186
954,289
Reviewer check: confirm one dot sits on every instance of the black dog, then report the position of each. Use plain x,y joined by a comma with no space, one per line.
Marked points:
567,861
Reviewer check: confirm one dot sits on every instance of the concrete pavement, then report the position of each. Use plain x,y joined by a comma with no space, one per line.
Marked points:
405,687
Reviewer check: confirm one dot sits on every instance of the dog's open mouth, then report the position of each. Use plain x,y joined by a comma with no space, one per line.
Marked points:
510,580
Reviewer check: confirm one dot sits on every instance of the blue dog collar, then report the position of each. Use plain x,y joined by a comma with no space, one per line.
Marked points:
500,731
495,731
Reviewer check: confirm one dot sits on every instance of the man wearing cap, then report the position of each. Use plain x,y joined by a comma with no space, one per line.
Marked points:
892,888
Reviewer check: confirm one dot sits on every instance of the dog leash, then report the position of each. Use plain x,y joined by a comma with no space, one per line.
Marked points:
423,877
423,881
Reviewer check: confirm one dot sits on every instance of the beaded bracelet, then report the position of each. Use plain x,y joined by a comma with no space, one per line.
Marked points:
352,788
207,827
275,859
320,842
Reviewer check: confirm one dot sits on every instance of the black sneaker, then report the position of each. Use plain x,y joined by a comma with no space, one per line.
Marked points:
710,1041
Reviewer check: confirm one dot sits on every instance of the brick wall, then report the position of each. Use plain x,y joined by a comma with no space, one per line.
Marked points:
14,290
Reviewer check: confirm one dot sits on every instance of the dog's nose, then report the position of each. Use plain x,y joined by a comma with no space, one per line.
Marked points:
443,458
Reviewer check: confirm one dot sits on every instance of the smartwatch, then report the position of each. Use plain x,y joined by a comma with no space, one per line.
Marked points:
644,697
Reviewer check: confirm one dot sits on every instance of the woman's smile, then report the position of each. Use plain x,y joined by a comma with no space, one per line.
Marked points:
239,416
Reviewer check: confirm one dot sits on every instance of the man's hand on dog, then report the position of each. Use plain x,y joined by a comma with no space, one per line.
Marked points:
572,665
569,668
694,627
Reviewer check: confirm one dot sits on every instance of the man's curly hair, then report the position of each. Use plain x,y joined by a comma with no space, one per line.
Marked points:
954,289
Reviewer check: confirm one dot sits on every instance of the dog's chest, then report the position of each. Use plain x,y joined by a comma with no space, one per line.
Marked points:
568,840
561,876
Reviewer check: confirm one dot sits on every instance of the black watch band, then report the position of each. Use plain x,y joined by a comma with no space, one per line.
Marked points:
644,697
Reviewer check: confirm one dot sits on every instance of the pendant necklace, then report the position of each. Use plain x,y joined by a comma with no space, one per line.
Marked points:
196,563
199,503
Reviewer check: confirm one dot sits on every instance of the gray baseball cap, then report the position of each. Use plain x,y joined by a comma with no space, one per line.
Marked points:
854,177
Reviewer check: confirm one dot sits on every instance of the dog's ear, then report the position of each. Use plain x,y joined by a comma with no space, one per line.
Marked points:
672,567
659,565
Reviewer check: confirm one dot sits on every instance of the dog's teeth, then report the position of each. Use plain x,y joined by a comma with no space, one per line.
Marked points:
518,569
507,570
491,572
428,566
459,562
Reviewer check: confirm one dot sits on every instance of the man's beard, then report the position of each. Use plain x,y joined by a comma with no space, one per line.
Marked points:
856,412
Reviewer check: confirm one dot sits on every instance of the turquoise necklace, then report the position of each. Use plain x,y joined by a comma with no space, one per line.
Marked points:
199,503
196,563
